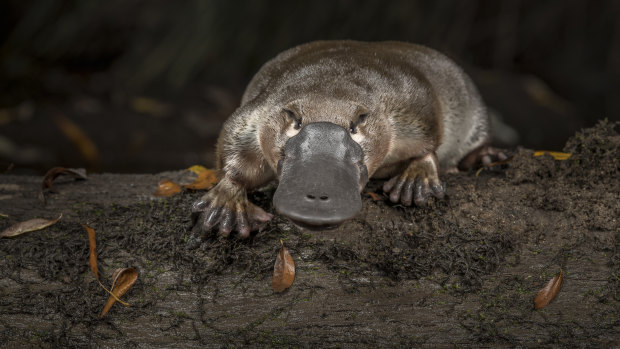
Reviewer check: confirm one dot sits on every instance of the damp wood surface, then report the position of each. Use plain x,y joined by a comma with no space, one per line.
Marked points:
463,271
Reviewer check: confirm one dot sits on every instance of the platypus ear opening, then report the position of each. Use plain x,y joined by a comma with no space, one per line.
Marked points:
294,117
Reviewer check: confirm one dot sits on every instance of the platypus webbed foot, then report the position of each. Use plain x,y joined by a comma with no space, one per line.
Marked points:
417,183
227,205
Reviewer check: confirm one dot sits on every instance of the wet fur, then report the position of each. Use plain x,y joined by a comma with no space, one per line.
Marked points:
412,109
418,101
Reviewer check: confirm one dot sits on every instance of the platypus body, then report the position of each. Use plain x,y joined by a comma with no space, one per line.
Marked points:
325,116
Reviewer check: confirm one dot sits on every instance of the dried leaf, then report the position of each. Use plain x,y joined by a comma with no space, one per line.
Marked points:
283,270
167,188
80,139
547,293
28,226
149,106
556,154
374,196
205,180
494,163
93,267
92,242
197,169
122,280
53,173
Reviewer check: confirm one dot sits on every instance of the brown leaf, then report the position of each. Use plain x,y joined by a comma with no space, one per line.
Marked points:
79,138
374,196
494,163
283,270
206,180
28,226
122,280
547,293
92,242
556,154
50,176
116,276
167,187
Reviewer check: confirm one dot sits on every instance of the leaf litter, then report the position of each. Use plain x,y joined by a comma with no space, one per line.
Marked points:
122,278
166,188
548,293
555,154
55,172
28,226
283,270
206,179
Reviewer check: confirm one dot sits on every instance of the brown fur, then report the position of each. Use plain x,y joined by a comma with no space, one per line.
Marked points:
417,101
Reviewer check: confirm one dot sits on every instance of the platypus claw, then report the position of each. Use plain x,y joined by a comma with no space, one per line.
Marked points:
417,183
231,212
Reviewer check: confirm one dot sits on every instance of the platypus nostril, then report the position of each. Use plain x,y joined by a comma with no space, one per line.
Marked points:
311,197
324,197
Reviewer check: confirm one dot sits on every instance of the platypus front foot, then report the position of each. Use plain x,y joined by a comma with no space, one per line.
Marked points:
417,183
227,205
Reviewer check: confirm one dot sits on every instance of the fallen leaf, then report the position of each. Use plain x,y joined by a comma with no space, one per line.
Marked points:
205,180
373,196
494,163
556,154
53,173
80,139
122,280
167,187
149,106
48,180
92,243
28,226
197,169
92,262
547,293
283,270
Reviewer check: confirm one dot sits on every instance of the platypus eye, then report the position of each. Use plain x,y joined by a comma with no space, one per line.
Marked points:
295,118
360,119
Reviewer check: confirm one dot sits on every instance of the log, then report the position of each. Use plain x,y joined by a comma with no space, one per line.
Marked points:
463,271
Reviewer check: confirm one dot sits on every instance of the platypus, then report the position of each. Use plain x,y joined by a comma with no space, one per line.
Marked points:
324,117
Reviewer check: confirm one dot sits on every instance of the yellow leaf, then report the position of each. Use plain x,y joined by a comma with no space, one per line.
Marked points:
197,169
167,187
556,154
205,180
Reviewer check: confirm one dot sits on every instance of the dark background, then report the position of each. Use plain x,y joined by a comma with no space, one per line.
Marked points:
143,86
